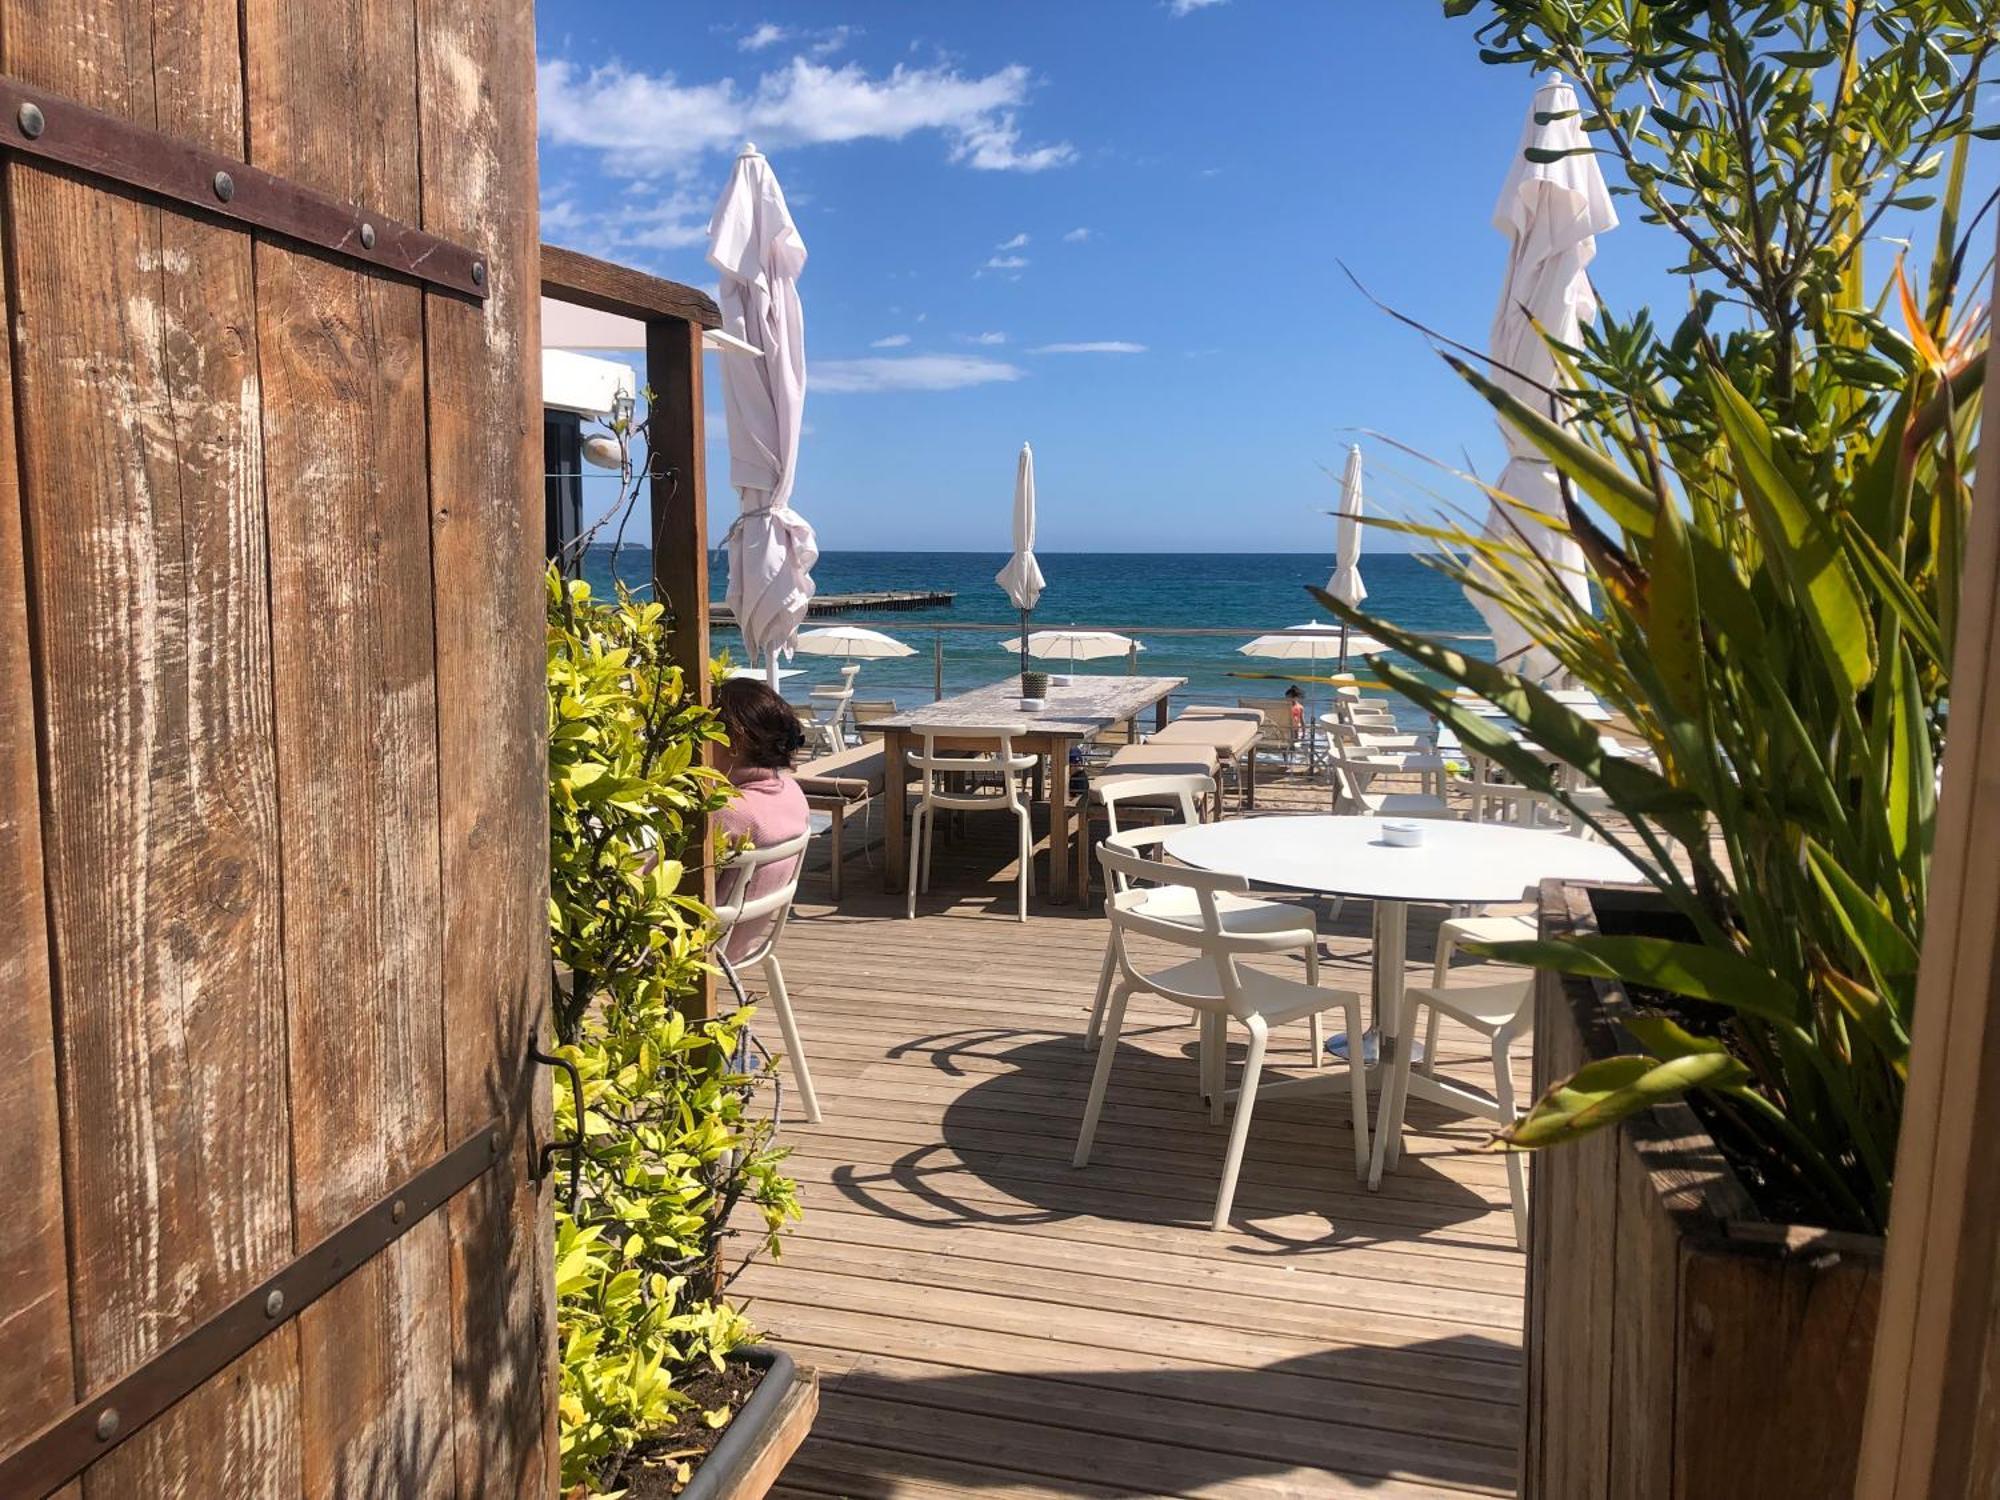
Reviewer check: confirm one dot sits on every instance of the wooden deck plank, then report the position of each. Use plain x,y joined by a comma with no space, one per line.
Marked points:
989,1320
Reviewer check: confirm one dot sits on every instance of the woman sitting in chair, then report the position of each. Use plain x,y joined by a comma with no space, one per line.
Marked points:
764,735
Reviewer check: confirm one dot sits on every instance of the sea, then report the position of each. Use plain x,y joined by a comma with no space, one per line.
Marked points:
1248,593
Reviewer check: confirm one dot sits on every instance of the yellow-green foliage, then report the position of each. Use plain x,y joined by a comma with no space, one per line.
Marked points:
1785,478
672,1145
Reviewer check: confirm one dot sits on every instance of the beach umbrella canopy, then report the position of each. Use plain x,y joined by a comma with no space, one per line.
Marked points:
1074,645
1022,577
854,642
1291,645
1345,584
757,252
1551,209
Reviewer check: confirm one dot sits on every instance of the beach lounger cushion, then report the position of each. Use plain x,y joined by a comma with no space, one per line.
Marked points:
1164,760
859,771
1231,737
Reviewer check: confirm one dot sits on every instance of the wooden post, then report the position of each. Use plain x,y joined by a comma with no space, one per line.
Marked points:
676,456
1933,1426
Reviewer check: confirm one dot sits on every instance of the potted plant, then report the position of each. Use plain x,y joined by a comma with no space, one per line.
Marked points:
1034,685
1769,500
665,1147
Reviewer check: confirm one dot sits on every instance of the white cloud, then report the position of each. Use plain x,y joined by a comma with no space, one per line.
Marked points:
915,372
766,35
1016,243
892,341
643,123
989,339
1189,7
1097,346
1077,235
833,39
1006,263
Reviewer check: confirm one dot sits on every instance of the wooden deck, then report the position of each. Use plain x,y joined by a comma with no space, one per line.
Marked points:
989,1321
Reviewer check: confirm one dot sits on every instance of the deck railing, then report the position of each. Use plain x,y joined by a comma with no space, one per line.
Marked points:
939,628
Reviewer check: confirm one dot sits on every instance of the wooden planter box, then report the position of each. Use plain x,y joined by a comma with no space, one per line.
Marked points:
758,1444
1679,1344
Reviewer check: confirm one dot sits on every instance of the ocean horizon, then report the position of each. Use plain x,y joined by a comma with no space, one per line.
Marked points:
1247,593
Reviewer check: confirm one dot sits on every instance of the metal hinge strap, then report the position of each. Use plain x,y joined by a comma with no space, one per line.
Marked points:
72,1442
35,122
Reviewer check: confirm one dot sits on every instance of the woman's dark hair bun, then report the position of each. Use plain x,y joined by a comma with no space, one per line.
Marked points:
762,729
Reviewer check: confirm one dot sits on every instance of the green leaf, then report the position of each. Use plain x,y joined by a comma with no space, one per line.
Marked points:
1799,539
1628,502
1720,976
1604,1092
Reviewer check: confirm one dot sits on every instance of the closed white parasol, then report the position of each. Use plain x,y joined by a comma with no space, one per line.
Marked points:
1552,209
1022,577
756,248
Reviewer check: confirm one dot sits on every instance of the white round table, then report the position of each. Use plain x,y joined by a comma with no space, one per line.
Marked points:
1457,863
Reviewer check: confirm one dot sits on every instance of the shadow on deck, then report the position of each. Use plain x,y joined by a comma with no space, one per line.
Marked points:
989,1320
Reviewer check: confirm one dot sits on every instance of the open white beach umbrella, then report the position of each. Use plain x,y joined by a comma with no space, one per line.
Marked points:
1551,212
1022,577
1292,645
855,642
755,247
1074,646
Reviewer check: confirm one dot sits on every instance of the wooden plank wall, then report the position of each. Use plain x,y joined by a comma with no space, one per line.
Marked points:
271,787
1933,1424
136,359
477,72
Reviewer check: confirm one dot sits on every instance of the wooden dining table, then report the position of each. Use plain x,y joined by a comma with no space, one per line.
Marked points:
1085,709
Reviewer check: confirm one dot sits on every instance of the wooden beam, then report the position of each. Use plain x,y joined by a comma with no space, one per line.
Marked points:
676,458
485,426
586,281
1933,1423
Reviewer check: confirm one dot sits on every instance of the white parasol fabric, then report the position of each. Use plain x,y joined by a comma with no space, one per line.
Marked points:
1551,212
1075,645
1345,584
1022,577
756,248
855,642
1292,645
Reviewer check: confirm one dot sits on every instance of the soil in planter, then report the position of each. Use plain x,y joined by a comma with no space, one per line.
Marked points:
1772,1185
653,1469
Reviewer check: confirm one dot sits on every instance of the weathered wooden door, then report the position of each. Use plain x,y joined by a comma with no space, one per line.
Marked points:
272,838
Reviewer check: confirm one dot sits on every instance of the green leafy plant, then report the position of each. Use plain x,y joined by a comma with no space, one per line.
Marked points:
1785,483
671,1148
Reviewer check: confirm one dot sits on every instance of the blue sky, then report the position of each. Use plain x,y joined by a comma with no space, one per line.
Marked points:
1112,228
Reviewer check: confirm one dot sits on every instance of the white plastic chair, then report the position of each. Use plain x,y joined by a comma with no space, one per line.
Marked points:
1175,902
1501,1011
989,781
831,711
1217,989
773,907
1350,798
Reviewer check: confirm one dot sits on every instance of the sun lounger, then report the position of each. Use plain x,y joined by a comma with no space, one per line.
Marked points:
842,784
1156,759
1232,733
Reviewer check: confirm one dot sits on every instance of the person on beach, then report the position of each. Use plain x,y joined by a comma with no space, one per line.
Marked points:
769,808
1298,702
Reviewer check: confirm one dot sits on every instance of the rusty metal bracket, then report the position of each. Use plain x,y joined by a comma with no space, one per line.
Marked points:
36,122
68,1445
577,1144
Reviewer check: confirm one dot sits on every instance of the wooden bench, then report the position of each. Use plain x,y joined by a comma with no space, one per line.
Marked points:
843,783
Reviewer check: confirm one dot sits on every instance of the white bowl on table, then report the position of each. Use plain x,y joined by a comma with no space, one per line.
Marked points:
1401,834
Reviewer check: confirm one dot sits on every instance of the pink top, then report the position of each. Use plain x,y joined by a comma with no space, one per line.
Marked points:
769,809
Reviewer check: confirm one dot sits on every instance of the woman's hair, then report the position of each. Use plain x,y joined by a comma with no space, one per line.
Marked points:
1293,691
762,729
